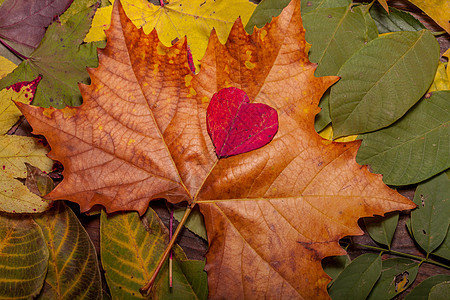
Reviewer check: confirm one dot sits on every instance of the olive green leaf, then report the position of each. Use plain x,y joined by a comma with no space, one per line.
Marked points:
396,276
23,257
311,5
422,290
413,149
130,250
61,44
357,279
396,20
264,12
382,81
440,291
334,265
323,117
382,229
444,249
430,220
194,223
73,271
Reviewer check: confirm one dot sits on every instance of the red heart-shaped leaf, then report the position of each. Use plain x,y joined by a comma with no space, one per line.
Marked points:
237,126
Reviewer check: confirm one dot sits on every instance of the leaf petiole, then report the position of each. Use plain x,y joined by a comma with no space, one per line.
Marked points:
145,290
421,259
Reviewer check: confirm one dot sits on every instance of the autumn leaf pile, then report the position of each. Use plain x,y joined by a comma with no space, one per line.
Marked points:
130,126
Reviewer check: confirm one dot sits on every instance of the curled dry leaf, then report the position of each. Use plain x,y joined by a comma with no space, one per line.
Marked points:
271,214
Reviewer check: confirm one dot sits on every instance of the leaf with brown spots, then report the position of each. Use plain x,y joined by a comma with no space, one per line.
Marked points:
271,214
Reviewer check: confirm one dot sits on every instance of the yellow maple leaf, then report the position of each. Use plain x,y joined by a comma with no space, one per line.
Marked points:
194,19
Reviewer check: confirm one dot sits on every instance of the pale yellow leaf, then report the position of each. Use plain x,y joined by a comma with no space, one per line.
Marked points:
438,10
194,19
15,151
16,198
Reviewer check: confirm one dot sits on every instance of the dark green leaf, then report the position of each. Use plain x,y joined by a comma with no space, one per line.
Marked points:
334,265
323,117
396,276
131,248
60,45
382,81
23,257
357,279
382,229
73,271
335,34
430,220
422,290
396,20
414,148
440,291
444,249
264,12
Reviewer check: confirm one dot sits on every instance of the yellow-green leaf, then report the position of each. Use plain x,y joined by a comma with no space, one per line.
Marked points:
16,150
438,10
73,271
23,258
193,18
9,113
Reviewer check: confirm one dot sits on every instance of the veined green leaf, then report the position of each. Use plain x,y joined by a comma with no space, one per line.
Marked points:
382,229
357,279
131,248
61,44
414,148
308,6
430,220
73,271
382,81
396,20
23,258
396,276
422,290
440,291
335,34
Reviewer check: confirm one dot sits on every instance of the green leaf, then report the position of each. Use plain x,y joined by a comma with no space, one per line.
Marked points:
357,279
334,265
309,6
440,291
23,258
382,81
335,34
264,12
61,44
396,20
444,249
130,250
414,148
430,220
382,229
396,276
194,223
422,290
73,271
323,117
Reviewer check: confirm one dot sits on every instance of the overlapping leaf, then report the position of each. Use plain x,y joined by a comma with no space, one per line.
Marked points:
130,250
23,258
382,229
415,148
73,271
141,134
438,10
61,44
395,20
422,290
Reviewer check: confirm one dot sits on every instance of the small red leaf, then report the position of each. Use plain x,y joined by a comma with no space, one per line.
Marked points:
237,126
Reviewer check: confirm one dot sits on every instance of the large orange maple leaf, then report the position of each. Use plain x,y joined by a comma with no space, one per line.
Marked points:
271,214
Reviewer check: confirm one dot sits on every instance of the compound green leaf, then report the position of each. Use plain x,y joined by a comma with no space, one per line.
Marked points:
396,276
396,20
264,12
335,34
130,250
357,279
430,220
382,229
61,44
413,149
440,291
422,290
73,271
23,258
382,81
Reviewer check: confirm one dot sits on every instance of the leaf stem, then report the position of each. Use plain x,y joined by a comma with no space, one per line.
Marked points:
421,259
19,55
145,290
